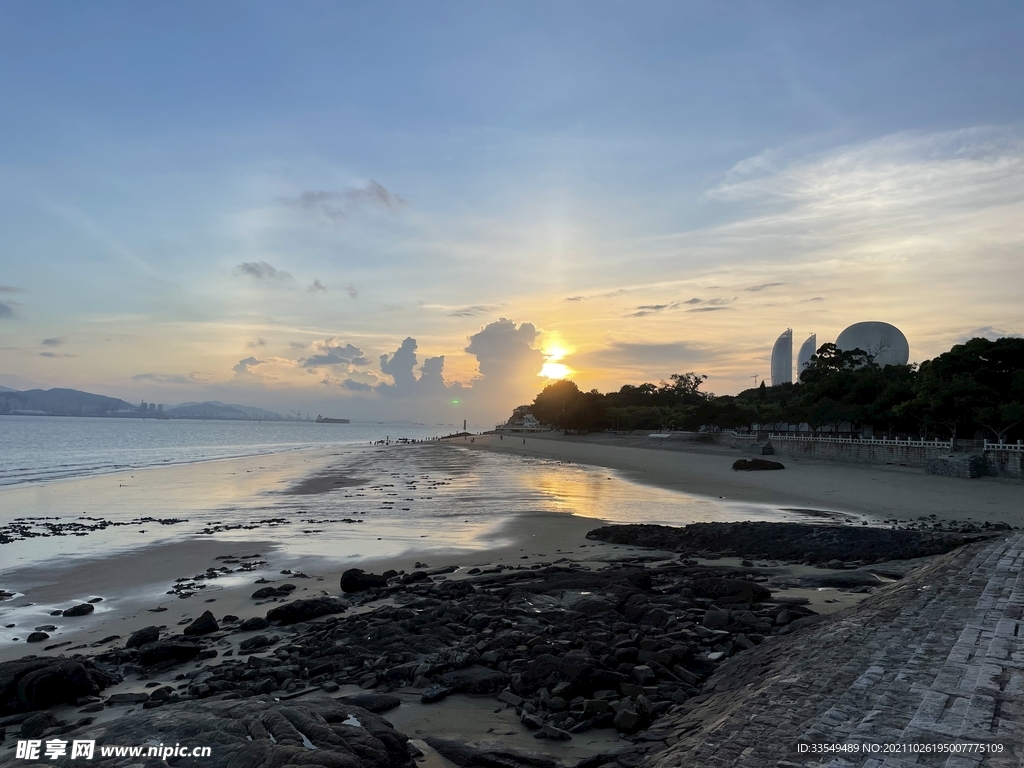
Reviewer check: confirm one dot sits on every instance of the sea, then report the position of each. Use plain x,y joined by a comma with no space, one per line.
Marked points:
38,448
79,488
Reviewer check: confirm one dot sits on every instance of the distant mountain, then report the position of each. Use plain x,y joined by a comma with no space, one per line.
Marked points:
212,409
61,402
72,402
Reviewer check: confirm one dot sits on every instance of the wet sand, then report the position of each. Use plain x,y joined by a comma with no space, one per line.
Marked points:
877,491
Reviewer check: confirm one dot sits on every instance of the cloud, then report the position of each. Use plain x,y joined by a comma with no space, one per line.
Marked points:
317,287
669,356
471,311
328,354
651,309
56,341
375,194
261,271
318,203
762,287
353,292
6,310
708,309
298,344
245,367
10,289
336,207
56,354
356,386
401,365
168,378
508,361
813,298
259,341
987,332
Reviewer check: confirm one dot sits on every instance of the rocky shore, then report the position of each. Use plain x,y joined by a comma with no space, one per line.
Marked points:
571,648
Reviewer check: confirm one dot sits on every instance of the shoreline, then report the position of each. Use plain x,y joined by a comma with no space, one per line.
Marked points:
879,492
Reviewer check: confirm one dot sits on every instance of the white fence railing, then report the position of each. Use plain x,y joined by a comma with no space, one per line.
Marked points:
884,441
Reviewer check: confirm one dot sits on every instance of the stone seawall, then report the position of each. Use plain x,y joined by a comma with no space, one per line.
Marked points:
935,459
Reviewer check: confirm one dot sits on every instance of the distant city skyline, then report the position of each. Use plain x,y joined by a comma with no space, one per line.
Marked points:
421,211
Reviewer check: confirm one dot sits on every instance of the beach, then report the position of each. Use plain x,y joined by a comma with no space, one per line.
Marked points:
881,492
220,530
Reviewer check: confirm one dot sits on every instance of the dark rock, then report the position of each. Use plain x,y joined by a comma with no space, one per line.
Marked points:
36,637
753,465
414,577
127,698
254,624
38,682
716,619
258,732
435,693
254,643
304,610
204,625
727,591
143,636
476,679
167,650
34,726
373,702
627,720
490,756
357,580
789,541
83,609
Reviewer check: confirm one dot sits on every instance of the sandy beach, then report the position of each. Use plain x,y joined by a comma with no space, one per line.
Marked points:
131,579
169,578
877,491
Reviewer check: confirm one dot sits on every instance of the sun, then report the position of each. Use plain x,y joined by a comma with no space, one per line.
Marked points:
553,370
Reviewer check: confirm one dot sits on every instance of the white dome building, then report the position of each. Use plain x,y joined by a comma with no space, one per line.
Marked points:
885,343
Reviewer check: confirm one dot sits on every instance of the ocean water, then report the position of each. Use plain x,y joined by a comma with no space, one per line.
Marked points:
40,448
370,501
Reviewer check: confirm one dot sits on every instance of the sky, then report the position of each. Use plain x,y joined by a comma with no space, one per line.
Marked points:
375,210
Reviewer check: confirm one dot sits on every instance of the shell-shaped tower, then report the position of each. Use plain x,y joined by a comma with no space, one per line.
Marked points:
803,357
782,359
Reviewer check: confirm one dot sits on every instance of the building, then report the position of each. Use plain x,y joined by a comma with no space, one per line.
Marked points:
782,359
803,357
884,343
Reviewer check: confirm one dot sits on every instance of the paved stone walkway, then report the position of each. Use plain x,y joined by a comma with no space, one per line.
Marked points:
939,657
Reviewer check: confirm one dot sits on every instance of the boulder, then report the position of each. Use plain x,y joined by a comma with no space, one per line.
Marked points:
476,679
204,625
373,702
754,465
36,682
435,693
490,755
304,610
143,636
357,580
254,624
258,732
167,650
726,591
82,609
36,637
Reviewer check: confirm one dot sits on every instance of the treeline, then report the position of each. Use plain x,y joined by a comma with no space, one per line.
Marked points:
977,387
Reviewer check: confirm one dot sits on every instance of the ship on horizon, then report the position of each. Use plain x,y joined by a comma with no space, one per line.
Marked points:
325,420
